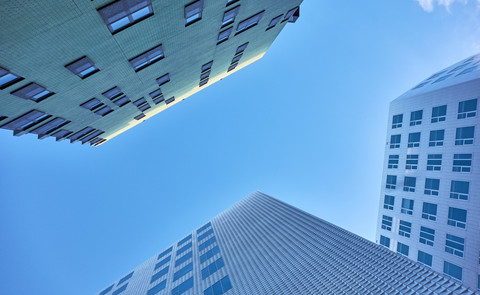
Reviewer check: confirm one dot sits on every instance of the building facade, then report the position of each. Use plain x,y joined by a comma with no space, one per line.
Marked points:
88,70
264,246
430,196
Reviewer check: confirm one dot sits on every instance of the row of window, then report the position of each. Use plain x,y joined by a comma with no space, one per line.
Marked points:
461,162
463,136
458,189
449,269
466,109
237,57
119,289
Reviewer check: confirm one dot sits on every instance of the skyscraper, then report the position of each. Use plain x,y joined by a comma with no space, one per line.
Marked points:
263,246
430,197
88,70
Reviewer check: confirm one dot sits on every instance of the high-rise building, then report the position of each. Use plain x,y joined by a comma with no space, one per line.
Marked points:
263,246
430,196
88,70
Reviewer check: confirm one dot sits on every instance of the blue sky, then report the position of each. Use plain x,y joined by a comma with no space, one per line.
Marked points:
306,124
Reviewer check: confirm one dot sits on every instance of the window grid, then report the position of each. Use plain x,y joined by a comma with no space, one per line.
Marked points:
462,162
432,186
434,162
395,141
387,222
429,211
405,228
393,161
467,109
397,121
439,114
454,245
459,190
416,118
427,236
436,138
388,202
407,206
412,162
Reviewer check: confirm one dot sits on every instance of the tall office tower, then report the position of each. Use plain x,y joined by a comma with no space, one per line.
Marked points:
430,197
262,246
88,70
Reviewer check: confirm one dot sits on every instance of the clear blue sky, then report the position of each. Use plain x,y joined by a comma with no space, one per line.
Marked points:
306,124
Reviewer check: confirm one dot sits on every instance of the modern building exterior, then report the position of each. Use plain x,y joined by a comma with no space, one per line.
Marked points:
263,246
88,70
430,196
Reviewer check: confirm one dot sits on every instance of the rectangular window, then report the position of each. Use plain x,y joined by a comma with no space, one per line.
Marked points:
163,79
405,228
391,181
204,227
409,184
144,107
402,248
224,35
443,78
434,162
395,141
193,12
162,262
387,222
207,66
207,243
183,271
33,91
384,241
183,259
416,118
108,289
412,162
462,162
139,102
429,211
397,121
183,287
205,234
104,111
82,67
184,240
84,132
407,206
170,100
26,121
49,127
209,254
159,274
232,67
454,245
414,139
220,287
459,190
439,114
122,14
138,117
91,104
290,15
237,58
452,270
249,22
432,186
274,22
425,258
393,161
465,135
241,48
63,133
147,58
436,138
427,236
184,248
467,109
388,202
157,288
230,2
8,78
164,253
229,16
120,290
457,217
212,268
466,71
125,278
156,93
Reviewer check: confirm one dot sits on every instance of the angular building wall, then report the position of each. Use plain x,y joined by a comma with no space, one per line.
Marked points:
263,246
430,197
88,70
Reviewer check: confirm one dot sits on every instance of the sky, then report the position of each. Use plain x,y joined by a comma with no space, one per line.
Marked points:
306,124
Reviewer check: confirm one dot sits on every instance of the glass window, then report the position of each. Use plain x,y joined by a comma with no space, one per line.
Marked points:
452,270
162,262
210,253
457,217
459,190
427,236
121,101
120,290
104,111
466,71
108,289
464,135
241,48
290,14
34,92
204,227
387,222
82,67
138,117
205,234
393,161
157,288
147,58
402,248
207,243
212,268
193,12
409,184
163,79
113,93
49,127
8,78
156,93
434,162
237,58
395,141
439,114
183,287
207,66
139,102
407,206
385,241
416,118
249,22
229,2
125,278
274,22
467,109
429,211
26,121
203,82
184,248
63,133
414,139
232,67
158,99
412,162
121,14
229,16
436,138
183,259
454,245
388,202
462,162
184,240
91,104
223,35
425,258
391,181
405,228
159,274
183,271
397,121
170,100
432,186
219,288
